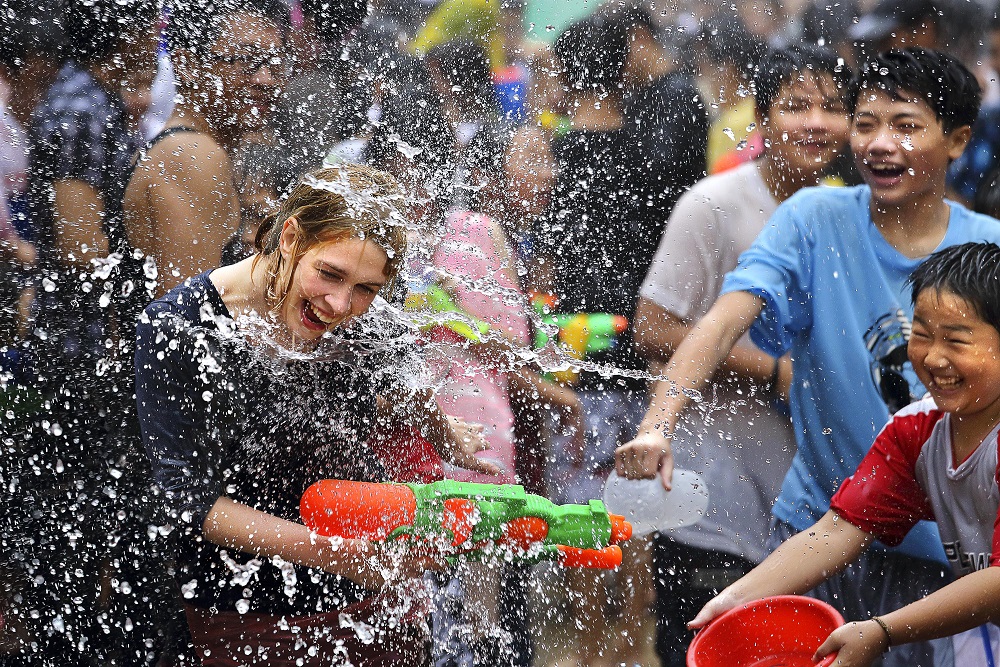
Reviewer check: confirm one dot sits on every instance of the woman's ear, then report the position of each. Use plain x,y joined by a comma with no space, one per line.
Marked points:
289,238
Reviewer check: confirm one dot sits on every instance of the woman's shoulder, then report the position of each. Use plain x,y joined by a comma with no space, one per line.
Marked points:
186,299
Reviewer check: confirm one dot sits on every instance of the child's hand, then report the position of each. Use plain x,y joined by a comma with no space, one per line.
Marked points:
856,644
464,441
716,607
644,456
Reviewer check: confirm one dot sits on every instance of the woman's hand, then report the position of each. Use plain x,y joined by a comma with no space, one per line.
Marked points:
856,644
377,565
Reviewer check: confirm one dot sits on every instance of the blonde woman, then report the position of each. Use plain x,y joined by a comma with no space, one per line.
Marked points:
249,389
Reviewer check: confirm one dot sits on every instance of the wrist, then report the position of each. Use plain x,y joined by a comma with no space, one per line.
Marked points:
884,629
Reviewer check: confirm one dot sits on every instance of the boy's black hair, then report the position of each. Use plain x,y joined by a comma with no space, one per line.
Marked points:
780,66
196,24
95,30
970,271
944,83
465,66
334,19
592,53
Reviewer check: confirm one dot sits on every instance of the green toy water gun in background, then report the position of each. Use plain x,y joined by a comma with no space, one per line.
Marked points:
579,334
432,298
471,520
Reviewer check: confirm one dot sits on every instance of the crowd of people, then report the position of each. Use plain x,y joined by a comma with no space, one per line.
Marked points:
220,226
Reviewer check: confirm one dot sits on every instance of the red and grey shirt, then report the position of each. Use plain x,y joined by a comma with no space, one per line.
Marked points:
909,474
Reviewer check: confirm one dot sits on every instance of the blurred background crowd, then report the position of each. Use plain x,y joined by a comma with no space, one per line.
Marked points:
129,146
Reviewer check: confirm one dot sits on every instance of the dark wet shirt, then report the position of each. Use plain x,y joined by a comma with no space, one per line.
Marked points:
220,417
79,131
600,233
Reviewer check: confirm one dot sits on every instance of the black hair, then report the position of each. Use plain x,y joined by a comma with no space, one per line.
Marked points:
987,200
196,24
970,271
592,53
941,81
727,41
97,28
781,66
413,124
29,29
334,19
464,66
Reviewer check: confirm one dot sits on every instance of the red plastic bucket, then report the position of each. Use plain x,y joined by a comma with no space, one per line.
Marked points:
780,631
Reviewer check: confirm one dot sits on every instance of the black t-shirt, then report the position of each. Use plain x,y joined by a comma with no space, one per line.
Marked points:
600,234
220,416
670,124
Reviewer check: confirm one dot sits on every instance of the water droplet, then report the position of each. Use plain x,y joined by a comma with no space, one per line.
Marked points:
48,285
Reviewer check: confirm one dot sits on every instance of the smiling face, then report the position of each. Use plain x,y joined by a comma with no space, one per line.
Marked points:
901,148
956,354
807,124
245,70
331,283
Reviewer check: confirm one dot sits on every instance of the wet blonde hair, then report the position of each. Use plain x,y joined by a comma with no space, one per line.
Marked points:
334,204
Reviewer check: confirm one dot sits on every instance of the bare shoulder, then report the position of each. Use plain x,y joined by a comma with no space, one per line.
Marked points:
186,156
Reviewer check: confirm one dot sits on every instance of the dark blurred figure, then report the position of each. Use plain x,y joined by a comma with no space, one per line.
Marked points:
264,175
67,477
952,26
321,105
665,113
597,240
460,73
982,154
725,55
29,62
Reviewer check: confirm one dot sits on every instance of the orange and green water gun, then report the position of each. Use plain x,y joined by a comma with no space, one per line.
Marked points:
470,520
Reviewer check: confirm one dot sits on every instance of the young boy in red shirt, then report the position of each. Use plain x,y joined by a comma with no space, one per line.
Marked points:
935,460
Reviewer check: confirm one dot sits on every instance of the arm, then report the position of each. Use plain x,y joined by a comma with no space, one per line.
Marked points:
797,566
697,359
455,440
658,334
78,213
192,206
961,605
236,526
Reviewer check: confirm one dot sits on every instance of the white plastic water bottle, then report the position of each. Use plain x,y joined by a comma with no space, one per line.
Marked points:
650,508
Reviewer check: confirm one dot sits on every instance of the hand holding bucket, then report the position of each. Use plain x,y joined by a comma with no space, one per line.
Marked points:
779,631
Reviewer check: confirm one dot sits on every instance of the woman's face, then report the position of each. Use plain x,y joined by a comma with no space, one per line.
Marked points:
331,283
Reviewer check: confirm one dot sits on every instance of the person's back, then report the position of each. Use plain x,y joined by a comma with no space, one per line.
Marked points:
825,282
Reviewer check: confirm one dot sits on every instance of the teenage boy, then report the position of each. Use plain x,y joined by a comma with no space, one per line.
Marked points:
936,459
825,281
803,120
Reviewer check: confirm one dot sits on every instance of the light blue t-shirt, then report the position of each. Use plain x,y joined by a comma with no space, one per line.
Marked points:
836,297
